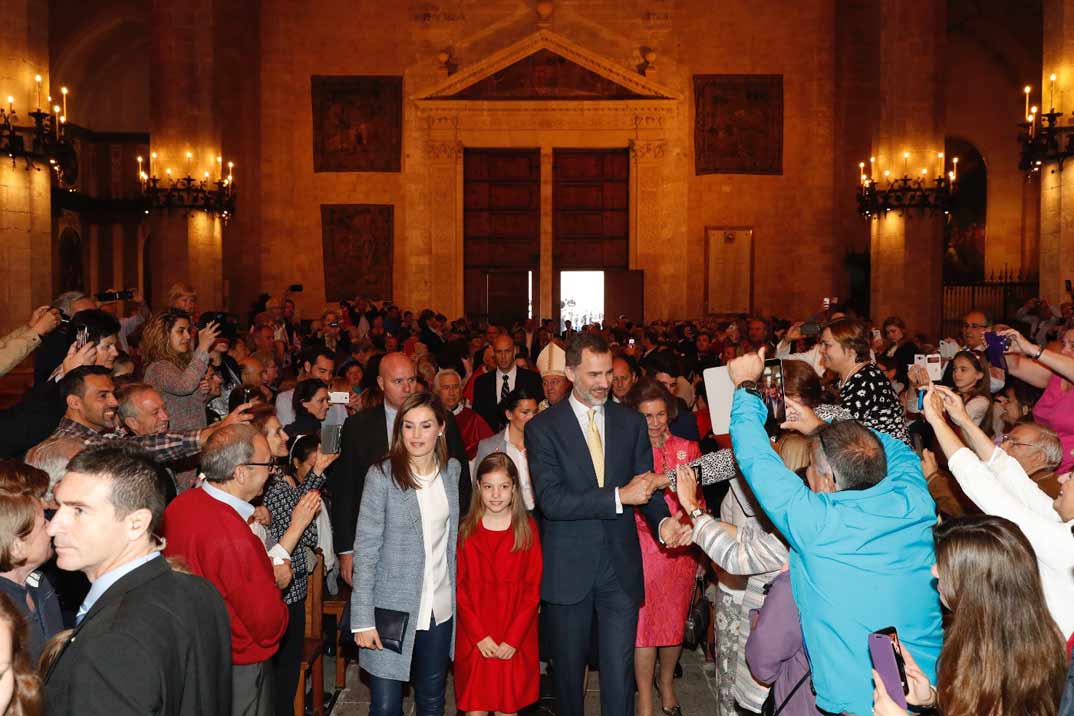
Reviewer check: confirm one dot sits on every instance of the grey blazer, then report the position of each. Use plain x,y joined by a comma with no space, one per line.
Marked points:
389,561
489,445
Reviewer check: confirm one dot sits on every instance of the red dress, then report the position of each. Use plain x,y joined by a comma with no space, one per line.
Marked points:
498,594
669,574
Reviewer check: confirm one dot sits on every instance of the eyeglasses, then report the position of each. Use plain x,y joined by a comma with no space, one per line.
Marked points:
258,464
1007,439
975,325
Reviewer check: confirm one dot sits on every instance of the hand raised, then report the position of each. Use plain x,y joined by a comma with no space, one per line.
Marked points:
801,418
747,367
323,461
882,703
675,534
686,487
44,320
953,404
207,336
306,509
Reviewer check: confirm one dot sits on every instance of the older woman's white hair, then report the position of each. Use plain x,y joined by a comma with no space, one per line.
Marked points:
52,456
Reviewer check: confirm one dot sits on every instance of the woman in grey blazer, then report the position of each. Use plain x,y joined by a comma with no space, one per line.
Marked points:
404,560
518,408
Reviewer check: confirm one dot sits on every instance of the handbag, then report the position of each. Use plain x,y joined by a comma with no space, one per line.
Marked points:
697,617
768,708
391,627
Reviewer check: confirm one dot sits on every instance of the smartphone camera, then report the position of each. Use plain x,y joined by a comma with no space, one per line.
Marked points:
772,389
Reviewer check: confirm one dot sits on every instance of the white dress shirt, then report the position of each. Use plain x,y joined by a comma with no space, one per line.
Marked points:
435,525
512,376
519,458
581,412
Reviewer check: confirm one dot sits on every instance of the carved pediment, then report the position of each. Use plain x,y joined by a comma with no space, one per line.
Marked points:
545,66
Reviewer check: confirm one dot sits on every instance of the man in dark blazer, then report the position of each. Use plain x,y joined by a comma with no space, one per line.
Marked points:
591,463
489,388
148,640
365,442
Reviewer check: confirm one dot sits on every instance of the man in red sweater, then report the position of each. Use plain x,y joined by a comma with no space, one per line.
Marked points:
208,528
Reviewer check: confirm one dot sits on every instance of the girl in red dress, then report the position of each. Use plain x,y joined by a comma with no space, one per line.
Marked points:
499,589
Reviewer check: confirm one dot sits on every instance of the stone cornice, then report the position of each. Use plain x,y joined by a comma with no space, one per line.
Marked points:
544,40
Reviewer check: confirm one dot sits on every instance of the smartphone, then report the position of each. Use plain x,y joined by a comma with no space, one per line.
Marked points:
934,367
772,389
82,338
720,392
921,399
339,397
827,303
995,346
876,334
330,438
630,342
886,654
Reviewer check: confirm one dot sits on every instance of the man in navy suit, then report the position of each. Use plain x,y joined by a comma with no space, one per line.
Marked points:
490,388
591,465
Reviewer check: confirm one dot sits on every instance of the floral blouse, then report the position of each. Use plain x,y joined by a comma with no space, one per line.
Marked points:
280,501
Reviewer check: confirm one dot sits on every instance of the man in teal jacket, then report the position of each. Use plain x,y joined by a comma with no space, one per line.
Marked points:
861,553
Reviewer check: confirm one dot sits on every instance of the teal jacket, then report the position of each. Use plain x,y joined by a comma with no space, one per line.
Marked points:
860,560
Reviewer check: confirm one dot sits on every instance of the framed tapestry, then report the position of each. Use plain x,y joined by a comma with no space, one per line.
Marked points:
738,124
357,123
357,241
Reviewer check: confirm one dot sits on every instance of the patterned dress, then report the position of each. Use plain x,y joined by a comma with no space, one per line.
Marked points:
669,574
280,501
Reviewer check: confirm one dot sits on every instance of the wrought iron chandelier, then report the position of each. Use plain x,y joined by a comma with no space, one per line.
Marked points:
1042,138
45,142
906,194
216,196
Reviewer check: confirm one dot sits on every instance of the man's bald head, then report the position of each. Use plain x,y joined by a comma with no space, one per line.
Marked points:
503,351
397,378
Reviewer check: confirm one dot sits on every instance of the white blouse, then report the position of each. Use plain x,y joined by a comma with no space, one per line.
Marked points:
519,458
435,525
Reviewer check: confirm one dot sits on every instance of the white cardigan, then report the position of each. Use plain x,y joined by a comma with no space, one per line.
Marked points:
1001,488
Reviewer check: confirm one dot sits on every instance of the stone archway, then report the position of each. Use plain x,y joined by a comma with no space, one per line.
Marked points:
444,119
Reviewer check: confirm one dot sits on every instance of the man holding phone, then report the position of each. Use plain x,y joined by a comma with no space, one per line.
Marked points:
861,539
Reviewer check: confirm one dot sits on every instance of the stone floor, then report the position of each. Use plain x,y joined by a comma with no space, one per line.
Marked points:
696,692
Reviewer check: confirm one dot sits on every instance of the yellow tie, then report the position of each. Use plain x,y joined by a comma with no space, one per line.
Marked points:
596,448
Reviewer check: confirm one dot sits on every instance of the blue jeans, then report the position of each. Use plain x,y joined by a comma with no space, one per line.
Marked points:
428,670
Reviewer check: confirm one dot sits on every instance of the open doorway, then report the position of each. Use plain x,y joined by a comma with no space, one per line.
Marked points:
581,298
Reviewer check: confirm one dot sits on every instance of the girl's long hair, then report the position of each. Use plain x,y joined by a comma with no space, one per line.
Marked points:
26,700
981,389
520,519
157,342
1003,653
398,456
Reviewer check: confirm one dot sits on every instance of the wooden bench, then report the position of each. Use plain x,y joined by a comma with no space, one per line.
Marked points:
313,645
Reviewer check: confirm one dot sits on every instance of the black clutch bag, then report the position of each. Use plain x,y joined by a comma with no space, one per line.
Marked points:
391,627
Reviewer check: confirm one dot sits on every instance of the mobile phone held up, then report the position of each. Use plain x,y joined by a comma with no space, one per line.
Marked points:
995,346
772,389
885,651
339,397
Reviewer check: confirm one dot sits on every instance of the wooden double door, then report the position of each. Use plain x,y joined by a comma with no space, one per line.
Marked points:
502,230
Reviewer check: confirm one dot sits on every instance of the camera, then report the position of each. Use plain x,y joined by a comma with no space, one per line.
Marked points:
228,322
110,296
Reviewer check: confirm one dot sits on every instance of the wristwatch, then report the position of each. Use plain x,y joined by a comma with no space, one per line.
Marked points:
750,386
696,512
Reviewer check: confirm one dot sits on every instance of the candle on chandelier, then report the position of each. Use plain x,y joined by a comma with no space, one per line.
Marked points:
189,157
939,158
140,172
152,156
906,163
37,81
63,91
861,171
954,168
1051,91
56,122
872,169
230,166
10,104
219,168
1027,90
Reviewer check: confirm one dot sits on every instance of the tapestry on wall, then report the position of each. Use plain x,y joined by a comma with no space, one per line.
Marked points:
357,241
738,124
357,123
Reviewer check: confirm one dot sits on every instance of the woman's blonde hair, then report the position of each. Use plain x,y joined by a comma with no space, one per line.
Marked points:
796,450
520,519
157,338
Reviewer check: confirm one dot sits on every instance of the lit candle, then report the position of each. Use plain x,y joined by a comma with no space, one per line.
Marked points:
140,167
887,173
954,168
219,168
1026,90
872,168
56,123
1051,91
10,104
905,162
152,156
168,172
230,166
861,170
939,158
63,91
37,81
189,157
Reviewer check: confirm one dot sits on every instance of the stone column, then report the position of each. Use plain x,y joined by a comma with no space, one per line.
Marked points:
25,196
1057,187
907,250
184,245
445,271
546,280
650,233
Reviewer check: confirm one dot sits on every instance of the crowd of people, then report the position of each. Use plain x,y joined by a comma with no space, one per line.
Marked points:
499,503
